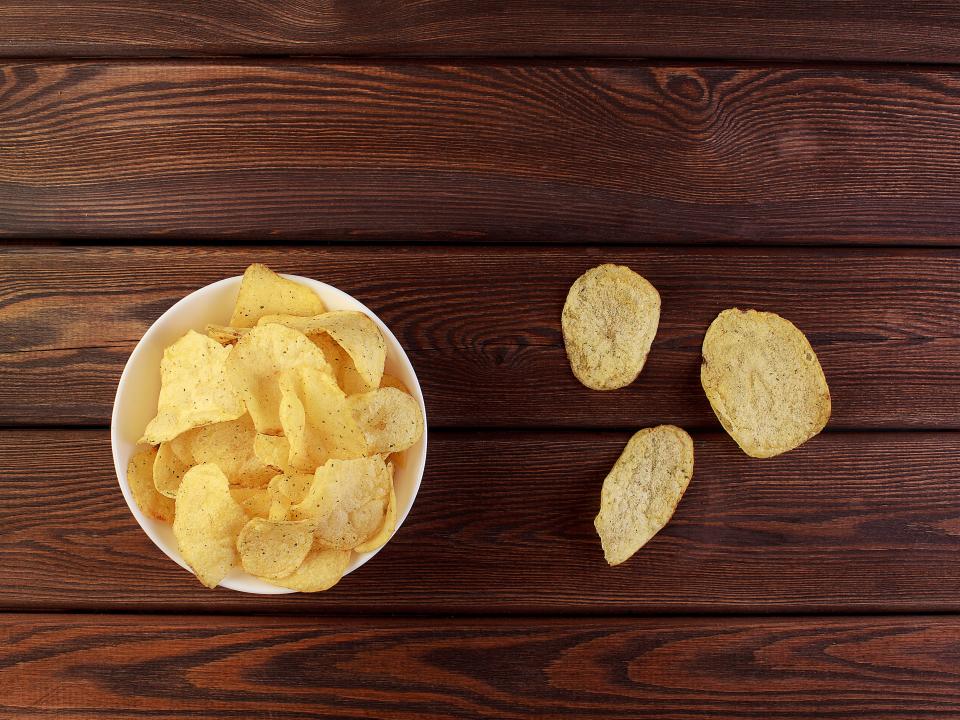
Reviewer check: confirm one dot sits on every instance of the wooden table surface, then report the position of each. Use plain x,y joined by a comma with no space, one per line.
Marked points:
456,165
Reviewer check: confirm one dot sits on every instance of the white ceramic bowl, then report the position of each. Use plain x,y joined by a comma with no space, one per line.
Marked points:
136,404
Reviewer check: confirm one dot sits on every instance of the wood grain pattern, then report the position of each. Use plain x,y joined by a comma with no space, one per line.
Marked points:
504,523
482,326
89,667
921,31
500,152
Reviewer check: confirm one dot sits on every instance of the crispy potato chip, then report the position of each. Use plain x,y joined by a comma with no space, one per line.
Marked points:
764,382
169,469
321,570
207,523
229,446
390,419
254,501
316,420
224,334
344,370
609,321
263,292
347,501
273,450
140,479
271,550
293,486
194,390
389,526
390,381
256,362
642,490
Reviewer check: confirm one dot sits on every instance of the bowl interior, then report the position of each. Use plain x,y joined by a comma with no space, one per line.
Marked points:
136,404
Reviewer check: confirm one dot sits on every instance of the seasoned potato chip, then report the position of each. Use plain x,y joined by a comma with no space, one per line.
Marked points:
321,570
316,420
194,390
642,490
347,501
271,550
390,381
256,362
390,419
224,334
169,469
263,292
293,486
380,538
273,450
207,523
764,382
229,446
140,479
344,370
254,501
609,321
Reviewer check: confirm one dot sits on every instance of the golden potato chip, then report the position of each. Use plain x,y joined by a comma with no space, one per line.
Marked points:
764,382
207,523
273,450
316,420
293,486
229,446
169,469
271,550
321,570
140,479
380,538
254,501
224,334
609,321
391,381
263,292
390,419
344,370
257,361
194,390
347,501
642,490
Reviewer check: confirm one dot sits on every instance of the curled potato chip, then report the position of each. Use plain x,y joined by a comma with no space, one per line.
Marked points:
140,479
229,446
254,501
263,292
316,420
194,390
224,334
390,419
273,450
392,381
207,523
169,469
256,362
609,321
643,489
271,550
383,535
320,570
347,501
344,370
293,486
764,382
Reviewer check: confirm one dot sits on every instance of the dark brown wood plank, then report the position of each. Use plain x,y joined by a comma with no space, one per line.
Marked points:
922,31
482,326
501,152
504,523
88,667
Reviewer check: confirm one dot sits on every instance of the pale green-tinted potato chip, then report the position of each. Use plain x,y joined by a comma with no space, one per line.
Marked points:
254,501
229,446
390,419
194,390
207,523
169,469
272,550
380,538
316,420
257,361
273,450
321,570
764,382
347,501
224,334
263,292
609,321
140,479
642,490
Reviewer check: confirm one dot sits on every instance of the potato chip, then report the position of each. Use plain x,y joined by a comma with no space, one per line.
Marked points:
390,419
263,292
344,370
254,501
271,550
207,523
256,362
194,390
316,420
389,526
321,570
764,382
140,479
273,450
229,446
224,334
391,381
347,501
609,321
169,469
642,490
293,486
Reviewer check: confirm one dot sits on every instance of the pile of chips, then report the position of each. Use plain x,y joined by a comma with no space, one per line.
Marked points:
275,439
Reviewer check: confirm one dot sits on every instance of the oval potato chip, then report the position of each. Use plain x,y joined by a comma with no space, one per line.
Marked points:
390,419
764,382
609,321
207,523
642,490
263,292
140,479
271,550
321,570
194,389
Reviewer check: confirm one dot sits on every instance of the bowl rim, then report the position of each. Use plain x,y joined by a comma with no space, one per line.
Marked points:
358,559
